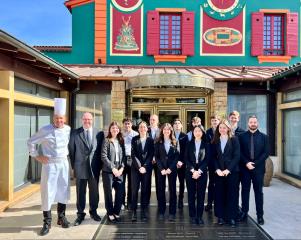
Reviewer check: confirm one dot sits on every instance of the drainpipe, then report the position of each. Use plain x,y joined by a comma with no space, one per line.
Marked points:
73,102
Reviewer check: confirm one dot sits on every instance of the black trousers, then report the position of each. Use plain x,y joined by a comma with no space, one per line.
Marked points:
172,178
211,185
109,183
196,190
181,177
128,189
81,188
257,180
226,195
137,179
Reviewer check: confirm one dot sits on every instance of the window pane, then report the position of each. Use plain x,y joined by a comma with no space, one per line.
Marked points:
291,96
22,85
292,139
248,105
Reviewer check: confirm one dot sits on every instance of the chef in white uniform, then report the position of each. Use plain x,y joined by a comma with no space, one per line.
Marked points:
50,147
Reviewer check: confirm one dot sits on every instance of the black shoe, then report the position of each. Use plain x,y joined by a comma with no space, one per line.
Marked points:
134,216
143,215
117,218
232,223
208,208
180,204
161,217
220,221
199,221
260,220
95,217
63,222
78,221
192,220
45,229
172,218
112,220
243,216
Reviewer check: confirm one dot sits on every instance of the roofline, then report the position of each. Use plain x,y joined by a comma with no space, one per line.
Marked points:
287,71
35,53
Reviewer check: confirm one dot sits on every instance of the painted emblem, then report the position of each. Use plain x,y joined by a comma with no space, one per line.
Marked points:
126,5
222,36
223,9
126,40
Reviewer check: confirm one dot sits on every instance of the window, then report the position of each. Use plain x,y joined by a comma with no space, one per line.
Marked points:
170,34
273,35
292,96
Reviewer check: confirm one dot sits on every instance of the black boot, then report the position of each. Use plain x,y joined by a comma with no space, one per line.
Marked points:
47,223
62,220
143,215
134,216
180,203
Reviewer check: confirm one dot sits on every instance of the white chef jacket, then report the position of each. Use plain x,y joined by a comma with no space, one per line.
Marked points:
53,143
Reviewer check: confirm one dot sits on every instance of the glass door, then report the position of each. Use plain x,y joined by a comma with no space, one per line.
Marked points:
139,115
191,113
168,116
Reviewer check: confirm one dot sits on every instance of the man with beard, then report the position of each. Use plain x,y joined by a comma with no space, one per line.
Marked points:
254,152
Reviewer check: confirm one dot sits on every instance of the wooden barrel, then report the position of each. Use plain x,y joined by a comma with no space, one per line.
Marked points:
269,171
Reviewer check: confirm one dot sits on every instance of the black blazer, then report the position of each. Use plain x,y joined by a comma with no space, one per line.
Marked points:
209,138
142,158
183,139
164,160
149,131
85,159
202,157
108,156
261,150
231,156
239,131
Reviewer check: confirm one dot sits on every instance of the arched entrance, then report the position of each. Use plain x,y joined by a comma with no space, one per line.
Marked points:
170,96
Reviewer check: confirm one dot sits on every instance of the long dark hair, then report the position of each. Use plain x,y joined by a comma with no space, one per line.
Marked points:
171,136
203,138
217,134
119,135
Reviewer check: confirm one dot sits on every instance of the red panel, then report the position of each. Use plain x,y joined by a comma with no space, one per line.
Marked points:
292,34
257,34
188,33
153,32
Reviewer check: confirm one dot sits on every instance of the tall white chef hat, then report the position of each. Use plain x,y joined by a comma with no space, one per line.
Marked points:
60,106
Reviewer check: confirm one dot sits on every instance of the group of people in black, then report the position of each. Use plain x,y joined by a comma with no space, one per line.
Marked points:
225,154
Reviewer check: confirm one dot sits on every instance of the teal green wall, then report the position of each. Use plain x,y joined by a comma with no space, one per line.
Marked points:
82,37
194,5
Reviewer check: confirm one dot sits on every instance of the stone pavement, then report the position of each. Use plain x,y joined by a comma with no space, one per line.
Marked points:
23,220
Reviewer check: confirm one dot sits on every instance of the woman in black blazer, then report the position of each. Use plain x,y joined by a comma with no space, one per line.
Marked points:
113,158
167,156
142,156
226,153
196,173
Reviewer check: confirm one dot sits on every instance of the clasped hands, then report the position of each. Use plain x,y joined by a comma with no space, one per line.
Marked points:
221,173
196,174
166,172
42,159
116,172
142,170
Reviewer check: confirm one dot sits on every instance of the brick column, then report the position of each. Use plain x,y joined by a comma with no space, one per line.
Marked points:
219,99
118,101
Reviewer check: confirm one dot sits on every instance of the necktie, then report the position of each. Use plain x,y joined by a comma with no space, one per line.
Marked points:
88,137
252,147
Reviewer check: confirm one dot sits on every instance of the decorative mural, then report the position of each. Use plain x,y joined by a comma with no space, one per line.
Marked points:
222,27
126,28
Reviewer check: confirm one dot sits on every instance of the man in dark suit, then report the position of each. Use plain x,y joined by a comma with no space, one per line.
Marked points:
234,119
254,152
85,157
215,119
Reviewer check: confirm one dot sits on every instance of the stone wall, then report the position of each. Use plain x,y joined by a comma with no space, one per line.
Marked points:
219,99
118,101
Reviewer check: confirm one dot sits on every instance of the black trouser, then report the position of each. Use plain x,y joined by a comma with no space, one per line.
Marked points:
81,188
211,185
226,194
196,189
181,177
128,193
172,178
137,179
110,182
257,179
